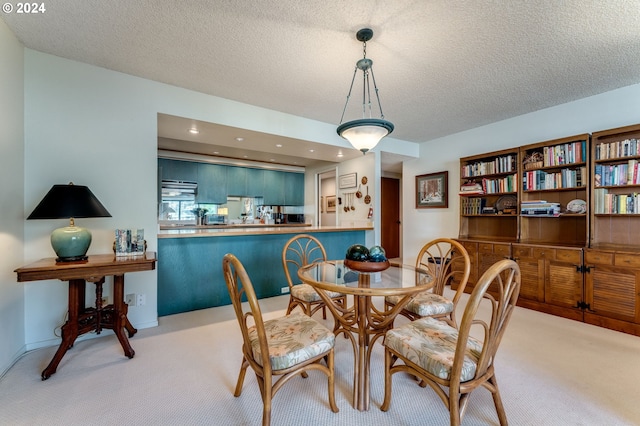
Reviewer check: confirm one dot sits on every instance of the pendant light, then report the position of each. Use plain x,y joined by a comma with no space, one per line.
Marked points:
365,133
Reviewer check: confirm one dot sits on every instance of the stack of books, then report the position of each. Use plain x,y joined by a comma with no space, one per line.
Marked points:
471,188
539,208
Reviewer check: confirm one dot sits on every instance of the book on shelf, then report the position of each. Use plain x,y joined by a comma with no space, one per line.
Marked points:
617,174
618,149
470,188
473,206
609,203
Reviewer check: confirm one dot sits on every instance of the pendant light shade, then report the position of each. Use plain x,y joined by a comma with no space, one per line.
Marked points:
365,133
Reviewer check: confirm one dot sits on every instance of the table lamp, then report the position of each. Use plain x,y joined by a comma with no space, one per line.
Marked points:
69,202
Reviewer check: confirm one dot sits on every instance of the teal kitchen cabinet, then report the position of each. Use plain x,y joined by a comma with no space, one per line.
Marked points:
212,183
273,188
245,181
178,170
255,182
237,181
293,189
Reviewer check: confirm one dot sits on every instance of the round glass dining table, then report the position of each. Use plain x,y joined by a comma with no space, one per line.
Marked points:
362,321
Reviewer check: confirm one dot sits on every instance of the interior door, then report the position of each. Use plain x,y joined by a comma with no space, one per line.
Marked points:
390,216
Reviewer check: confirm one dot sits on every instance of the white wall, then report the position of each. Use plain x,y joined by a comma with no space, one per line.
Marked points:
605,111
11,197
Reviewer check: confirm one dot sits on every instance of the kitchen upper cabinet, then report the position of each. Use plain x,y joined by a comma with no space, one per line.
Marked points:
178,170
217,181
212,183
273,188
293,189
255,182
237,181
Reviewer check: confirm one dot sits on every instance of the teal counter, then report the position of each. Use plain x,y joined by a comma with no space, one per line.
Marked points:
190,268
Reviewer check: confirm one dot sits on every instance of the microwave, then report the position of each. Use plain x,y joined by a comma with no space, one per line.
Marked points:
294,218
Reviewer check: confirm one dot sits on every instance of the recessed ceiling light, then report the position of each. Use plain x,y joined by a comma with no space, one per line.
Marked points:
278,145
239,139
271,159
194,131
245,156
312,150
216,152
340,155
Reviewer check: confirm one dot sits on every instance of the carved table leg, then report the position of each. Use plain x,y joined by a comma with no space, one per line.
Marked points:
70,328
120,316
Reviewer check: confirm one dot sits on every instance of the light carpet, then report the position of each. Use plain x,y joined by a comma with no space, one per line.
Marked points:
551,371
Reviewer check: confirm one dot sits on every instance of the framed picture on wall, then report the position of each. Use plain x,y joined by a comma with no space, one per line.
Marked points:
331,204
431,190
348,181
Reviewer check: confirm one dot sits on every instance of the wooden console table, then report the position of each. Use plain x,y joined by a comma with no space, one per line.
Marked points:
81,319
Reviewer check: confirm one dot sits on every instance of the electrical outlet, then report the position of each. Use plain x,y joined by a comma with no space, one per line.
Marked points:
130,299
284,290
141,300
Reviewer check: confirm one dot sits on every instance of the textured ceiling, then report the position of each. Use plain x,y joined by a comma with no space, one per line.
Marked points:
441,66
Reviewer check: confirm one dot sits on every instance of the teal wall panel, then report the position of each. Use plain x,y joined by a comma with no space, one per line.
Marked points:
190,269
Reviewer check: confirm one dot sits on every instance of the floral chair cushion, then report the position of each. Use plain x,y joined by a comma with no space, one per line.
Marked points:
431,344
426,304
308,294
292,340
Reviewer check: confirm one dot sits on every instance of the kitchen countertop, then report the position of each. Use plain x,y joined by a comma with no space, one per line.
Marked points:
234,225
256,229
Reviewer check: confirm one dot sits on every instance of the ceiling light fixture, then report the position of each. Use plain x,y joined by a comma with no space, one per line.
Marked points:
194,131
365,133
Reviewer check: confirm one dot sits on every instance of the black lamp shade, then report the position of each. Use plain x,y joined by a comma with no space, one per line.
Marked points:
67,201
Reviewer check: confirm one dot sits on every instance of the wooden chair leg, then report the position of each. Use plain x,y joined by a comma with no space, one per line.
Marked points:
243,371
266,409
331,379
497,400
388,363
454,408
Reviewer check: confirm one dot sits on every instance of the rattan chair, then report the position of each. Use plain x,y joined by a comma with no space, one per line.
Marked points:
438,257
300,251
456,361
270,348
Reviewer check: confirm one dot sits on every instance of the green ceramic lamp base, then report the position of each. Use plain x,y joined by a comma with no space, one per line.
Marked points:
71,243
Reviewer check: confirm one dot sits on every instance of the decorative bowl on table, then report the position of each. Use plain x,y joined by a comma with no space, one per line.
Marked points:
366,266
359,258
